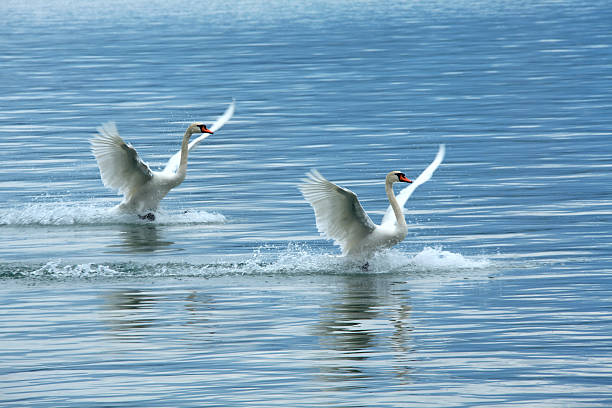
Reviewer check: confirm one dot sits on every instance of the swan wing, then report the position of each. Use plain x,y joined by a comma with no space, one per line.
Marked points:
120,167
174,161
404,195
338,213
223,119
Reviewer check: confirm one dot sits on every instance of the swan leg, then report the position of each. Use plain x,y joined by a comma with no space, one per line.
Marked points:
365,267
148,217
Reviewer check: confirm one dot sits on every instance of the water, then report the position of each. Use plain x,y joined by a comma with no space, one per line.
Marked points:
498,296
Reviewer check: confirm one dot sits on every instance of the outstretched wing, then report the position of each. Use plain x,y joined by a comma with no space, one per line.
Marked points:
338,213
120,167
404,195
227,115
174,161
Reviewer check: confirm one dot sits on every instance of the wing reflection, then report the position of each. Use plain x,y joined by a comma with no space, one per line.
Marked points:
131,314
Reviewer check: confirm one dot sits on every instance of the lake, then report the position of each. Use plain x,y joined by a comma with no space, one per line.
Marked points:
498,296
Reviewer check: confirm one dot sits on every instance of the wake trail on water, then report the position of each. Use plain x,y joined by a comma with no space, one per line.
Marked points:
295,260
60,213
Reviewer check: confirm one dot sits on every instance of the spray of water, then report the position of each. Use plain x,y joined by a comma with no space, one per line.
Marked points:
295,259
71,213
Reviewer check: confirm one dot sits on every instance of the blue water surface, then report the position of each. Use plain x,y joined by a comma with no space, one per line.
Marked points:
499,296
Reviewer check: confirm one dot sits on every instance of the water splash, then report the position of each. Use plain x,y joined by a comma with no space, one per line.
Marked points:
295,259
60,213
301,259
56,270
437,258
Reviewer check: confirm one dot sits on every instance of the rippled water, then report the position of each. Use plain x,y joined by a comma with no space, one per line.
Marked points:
498,296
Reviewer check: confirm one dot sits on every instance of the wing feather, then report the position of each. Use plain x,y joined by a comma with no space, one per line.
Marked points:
404,195
338,213
120,167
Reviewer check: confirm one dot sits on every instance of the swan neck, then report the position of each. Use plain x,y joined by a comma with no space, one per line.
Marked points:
399,214
182,169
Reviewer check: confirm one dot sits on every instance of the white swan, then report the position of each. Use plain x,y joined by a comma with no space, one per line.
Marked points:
340,216
122,169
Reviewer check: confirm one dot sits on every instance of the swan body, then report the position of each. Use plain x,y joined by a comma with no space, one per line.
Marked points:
122,169
340,216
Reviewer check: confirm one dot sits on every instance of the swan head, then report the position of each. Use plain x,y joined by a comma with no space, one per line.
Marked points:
199,127
397,176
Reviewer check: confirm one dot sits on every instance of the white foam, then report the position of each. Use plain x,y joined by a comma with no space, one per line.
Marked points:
295,259
60,213
55,270
436,258
301,259
189,217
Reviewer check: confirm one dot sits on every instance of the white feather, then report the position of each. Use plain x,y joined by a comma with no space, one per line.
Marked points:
338,213
120,167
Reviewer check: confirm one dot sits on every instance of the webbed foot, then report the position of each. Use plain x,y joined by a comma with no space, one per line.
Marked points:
148,217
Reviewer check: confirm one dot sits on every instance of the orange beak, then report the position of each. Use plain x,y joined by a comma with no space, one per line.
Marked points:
204,129
404,179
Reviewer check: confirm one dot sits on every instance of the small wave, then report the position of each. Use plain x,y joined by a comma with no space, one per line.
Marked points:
55,270
59,270
88,214
295,259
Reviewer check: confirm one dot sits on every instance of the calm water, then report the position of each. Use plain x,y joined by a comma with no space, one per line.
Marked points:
499,296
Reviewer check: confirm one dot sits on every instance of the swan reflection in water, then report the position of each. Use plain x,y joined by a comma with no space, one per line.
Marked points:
130,314
127,312
352,332
140,238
